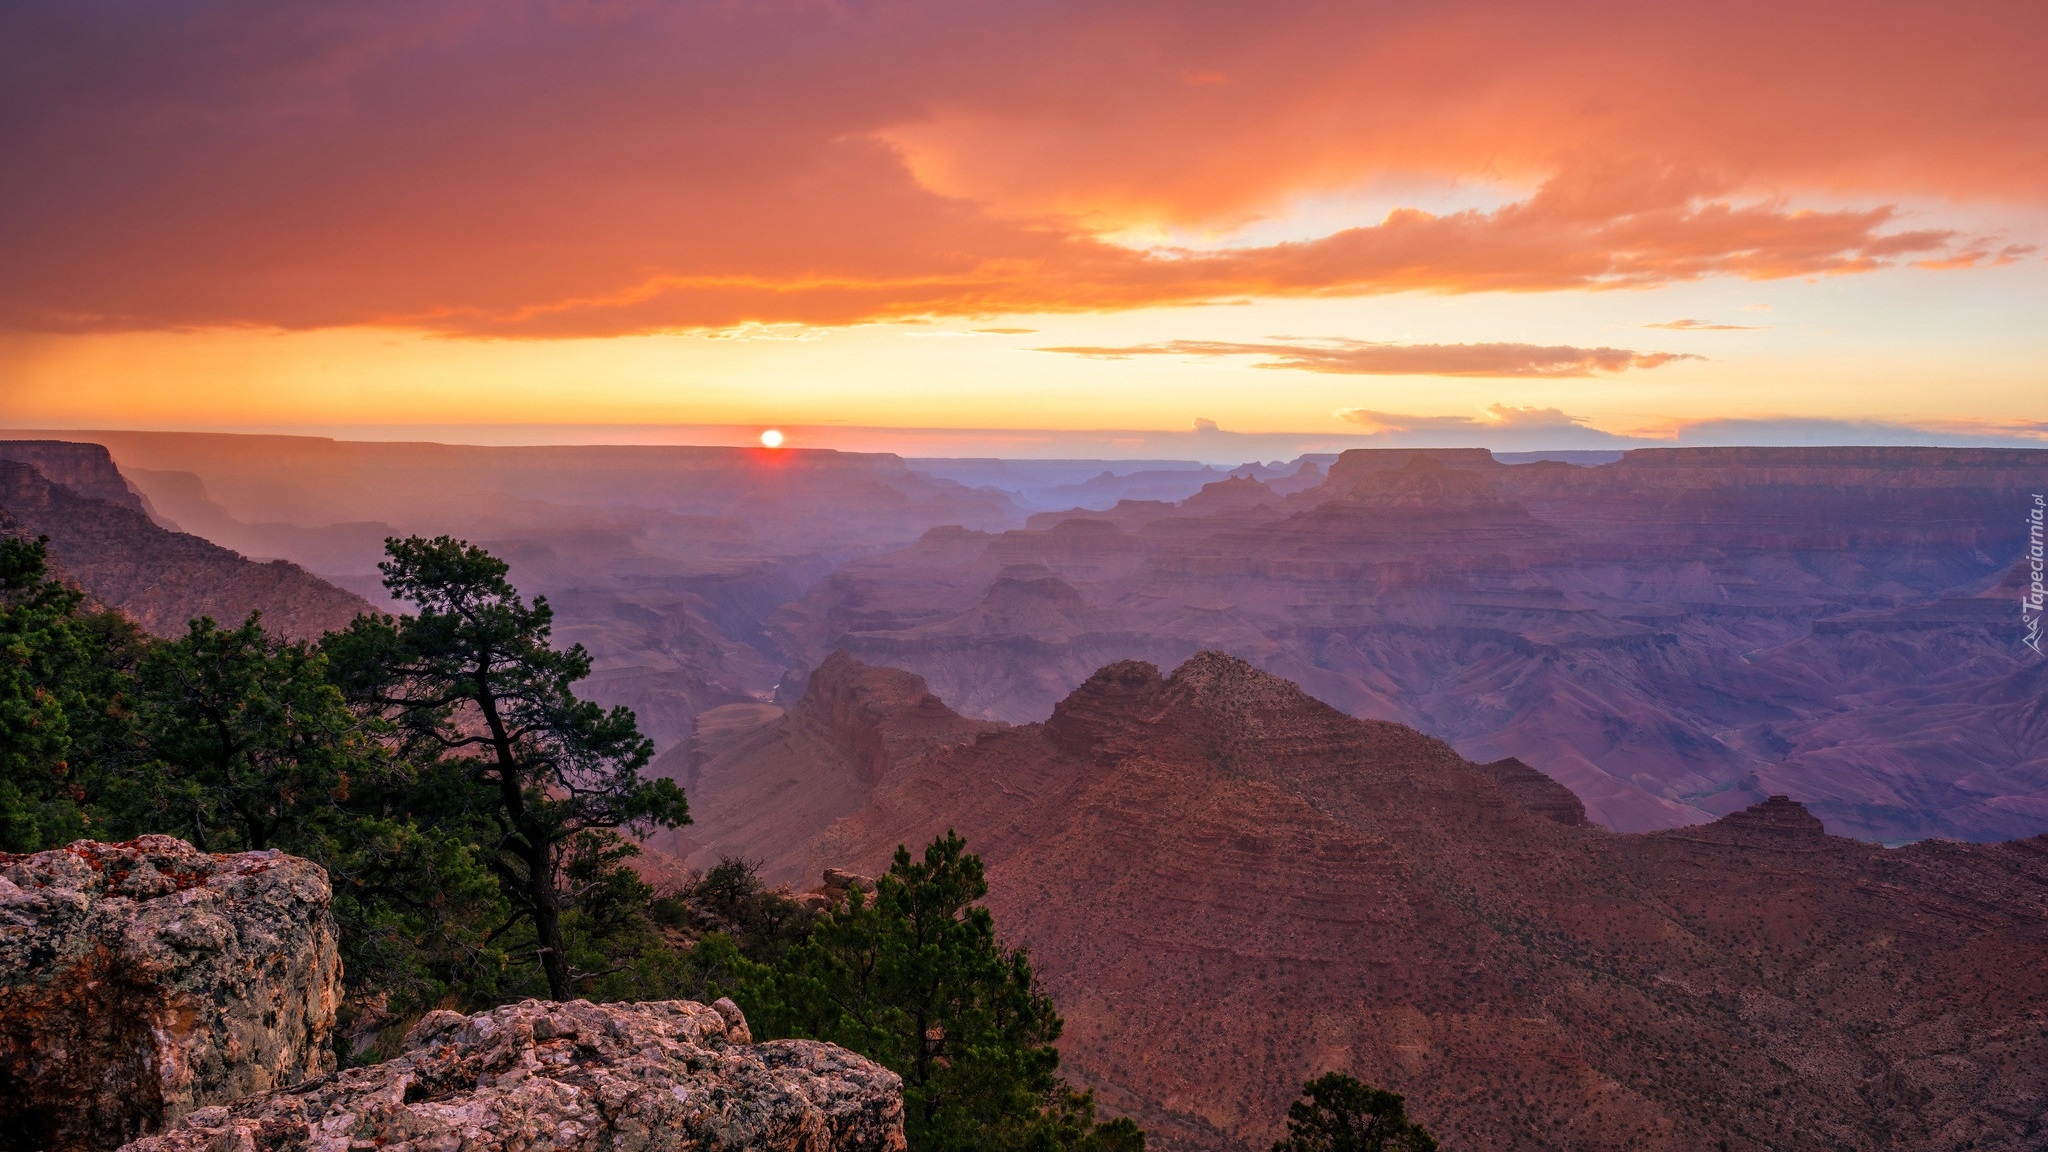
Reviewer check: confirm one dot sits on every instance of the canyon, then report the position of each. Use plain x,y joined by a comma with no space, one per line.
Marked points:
663,562
1674,635
1229,886
1549,793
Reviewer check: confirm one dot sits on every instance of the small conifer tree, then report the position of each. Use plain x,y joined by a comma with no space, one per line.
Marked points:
1337,1113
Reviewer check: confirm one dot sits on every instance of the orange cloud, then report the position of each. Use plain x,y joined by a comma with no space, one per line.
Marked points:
1980,254
1547,243
484,168
1894,98
1366,358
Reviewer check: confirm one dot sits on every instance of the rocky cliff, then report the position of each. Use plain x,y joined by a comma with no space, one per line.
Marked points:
1673,635
655,1077
87,469
763,783
141,980
122,558
1230,887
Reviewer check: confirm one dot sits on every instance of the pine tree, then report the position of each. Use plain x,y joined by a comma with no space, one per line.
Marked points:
247,735
476,693
1339,1114
915,980
64,671
243,742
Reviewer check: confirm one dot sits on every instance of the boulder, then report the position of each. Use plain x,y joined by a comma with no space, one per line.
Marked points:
840,880
141,980
572,1076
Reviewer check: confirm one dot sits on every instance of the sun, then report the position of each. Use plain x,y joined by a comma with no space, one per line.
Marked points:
772,438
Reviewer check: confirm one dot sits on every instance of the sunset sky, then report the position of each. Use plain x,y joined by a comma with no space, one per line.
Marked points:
1531,224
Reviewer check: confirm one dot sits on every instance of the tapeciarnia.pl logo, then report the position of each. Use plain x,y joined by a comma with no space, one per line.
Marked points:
2031,601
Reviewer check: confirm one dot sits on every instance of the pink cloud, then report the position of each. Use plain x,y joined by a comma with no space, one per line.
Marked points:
1366,358
1704,326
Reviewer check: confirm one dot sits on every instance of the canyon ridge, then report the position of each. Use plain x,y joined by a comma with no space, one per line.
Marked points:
1229,886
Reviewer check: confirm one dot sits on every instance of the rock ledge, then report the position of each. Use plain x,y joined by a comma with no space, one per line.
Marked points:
652,1077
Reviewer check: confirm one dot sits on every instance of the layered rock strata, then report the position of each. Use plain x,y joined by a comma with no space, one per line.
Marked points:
1674,635
1229,887
763,782
86,469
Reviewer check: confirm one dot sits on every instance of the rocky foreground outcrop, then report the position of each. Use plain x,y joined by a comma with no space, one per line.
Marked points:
630,1077
141,980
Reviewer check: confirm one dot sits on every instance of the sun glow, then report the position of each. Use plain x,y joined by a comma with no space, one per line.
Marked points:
772,438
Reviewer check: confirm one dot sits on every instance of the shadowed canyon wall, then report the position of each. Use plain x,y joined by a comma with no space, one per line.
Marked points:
109,546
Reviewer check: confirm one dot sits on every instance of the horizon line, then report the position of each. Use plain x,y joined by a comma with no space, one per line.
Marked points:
1207,444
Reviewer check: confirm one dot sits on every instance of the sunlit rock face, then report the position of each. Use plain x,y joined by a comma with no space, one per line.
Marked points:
141,980
655,1077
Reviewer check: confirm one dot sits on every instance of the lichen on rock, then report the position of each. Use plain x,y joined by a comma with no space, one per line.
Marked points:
650,1077
141,980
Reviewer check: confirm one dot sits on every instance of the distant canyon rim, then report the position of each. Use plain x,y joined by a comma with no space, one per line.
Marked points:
1673,634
